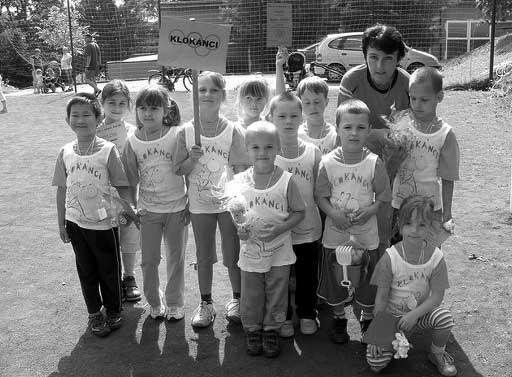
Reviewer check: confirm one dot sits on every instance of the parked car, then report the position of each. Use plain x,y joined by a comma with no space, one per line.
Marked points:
309,52
337,53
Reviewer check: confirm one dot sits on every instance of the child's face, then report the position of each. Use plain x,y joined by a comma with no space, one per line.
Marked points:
382,66
287,117
262,148
353,131
313,106
82,120
424,100
253,106
151,117
210,95
415,230
115,107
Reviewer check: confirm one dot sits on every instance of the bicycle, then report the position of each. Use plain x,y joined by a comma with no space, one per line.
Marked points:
170,76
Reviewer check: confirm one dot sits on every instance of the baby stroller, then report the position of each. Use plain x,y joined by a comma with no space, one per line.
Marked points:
52,77
295,69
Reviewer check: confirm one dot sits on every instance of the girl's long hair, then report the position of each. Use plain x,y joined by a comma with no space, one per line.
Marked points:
157,95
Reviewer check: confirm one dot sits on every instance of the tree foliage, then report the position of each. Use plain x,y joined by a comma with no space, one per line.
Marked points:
503,9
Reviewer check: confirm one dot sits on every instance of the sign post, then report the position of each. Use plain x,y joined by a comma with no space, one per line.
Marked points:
195,45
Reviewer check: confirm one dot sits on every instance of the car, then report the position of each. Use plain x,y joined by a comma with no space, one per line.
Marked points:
309,52
337,53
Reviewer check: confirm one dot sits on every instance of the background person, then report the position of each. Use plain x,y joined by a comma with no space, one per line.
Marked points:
92,63
66,68
36,61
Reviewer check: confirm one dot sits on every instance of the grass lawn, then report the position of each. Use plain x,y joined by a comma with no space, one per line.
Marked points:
43,319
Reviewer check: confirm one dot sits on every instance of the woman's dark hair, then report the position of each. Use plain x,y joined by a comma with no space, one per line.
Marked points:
384,38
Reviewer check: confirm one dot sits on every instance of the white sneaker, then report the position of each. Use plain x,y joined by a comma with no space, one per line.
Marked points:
233,310
308,326
175,313
287,330
203,315
444,363
157,311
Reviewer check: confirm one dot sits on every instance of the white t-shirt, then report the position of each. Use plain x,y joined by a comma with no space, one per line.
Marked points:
65,61
325,144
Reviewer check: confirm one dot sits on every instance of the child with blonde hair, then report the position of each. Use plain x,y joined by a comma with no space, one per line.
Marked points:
301,159
411,279
275,203
252,98
352,184
115,99
222,149
162,199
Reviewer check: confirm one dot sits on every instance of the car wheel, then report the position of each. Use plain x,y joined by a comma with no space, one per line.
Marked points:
414,66
335,72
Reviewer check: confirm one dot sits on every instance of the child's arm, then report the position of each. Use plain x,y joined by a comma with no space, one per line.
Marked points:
238,159
316,167
449,172
184,160
409,320
281,57
296,213
61,213
382,190
323,189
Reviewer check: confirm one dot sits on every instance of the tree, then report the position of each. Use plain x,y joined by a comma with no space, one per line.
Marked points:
503,9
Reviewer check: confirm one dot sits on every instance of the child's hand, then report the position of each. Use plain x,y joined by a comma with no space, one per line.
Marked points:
185,216
362,215
243,232
408,321
281,56
374,350
63,233
341,220
269,231
196,152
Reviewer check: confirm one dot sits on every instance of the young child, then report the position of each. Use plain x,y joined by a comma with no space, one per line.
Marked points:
252,98
38,81
2,97
313,92
222,148
433,163
162,199
115,99
275,201
301,159
411,278
351,185
85,170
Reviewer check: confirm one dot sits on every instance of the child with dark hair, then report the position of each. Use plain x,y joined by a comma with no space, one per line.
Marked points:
85,170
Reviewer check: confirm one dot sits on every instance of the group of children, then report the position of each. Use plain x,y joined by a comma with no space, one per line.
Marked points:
310,187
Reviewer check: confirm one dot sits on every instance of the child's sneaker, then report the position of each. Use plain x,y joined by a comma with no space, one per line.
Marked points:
444,363
114,320
287,330
157,311
233,310
175,313
254,342
309,326
203,315
131,291
98,325
270,340
338,332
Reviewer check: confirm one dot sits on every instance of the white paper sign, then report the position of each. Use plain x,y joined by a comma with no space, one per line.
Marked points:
279,24
115,133
193,44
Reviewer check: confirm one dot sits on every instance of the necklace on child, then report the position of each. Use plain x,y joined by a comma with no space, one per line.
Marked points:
270,178
295,149
342,155
216,129
89,149
146,134
429,127
321,133
421,257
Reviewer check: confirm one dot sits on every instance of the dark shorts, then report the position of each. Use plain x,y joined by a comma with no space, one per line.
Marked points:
90,73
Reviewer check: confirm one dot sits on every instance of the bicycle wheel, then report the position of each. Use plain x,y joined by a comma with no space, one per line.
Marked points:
155,78
187,79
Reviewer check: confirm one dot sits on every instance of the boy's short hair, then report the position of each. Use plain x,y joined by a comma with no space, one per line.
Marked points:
284,97
423,205
84,99
351,106
262,126
314,84
115,87
428,75
385,38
